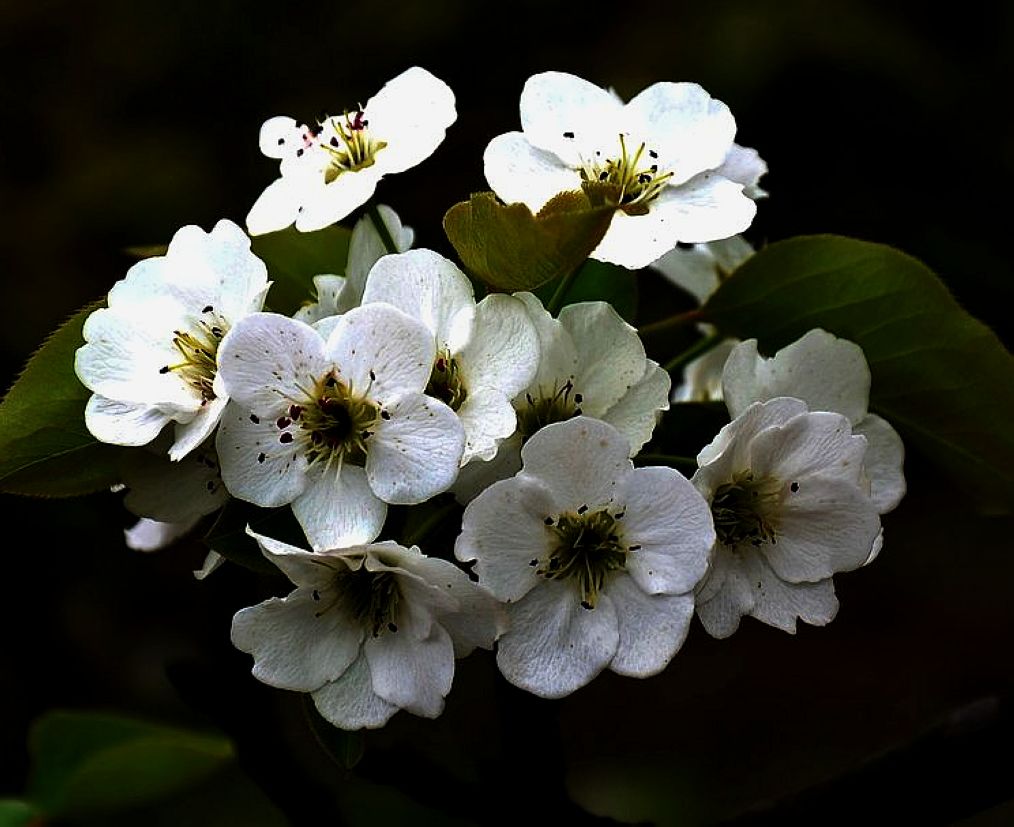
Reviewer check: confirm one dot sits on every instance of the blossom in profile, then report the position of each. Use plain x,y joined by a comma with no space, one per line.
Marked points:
331,168
367,631
595,560
151,356
338,427
791,508
666,160
486,352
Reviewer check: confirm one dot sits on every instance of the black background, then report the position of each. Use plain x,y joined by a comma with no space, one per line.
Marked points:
885,121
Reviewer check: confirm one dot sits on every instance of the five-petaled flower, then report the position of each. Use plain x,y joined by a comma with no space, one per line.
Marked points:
666,160
329,169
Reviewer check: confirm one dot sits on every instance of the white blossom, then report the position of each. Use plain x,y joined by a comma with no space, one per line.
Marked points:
791,508
368,630
330,169
151,356
486,353
337,427
595,560
667,159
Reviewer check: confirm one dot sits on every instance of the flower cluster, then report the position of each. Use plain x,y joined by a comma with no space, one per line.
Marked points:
393,385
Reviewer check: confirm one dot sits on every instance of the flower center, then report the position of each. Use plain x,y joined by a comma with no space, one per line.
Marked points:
445,382
630,181
198,349
559,405
746,510
349,144
371,598
336,422
586,548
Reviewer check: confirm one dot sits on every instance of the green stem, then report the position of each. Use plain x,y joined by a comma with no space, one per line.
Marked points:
699,348
562,289
677,320
433,519
667,459
381,228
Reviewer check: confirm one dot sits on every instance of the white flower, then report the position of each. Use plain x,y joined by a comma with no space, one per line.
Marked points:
339,427
790,507
337,294
486,353
329,170
596,560
667,156
703,267
368,630
150,357
592,363
829,374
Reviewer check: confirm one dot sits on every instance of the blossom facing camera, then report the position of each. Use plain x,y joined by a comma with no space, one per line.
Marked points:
151,356
337,427
367,631
595,560
330,169
666,160
791,508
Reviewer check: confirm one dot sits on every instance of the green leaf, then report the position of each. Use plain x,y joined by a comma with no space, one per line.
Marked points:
14,813
86,762
598,281
45,449
511,249
941,377
294,258
228,536
345,747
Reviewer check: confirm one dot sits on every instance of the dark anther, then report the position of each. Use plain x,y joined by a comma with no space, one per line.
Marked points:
603,175
582,509
794,487
652,153
285,438
533,563
654,167
261,457
392,627
385,415
578,398
208,309
299,152
281,141
334,141
373,376
211,485
283,422
633,548
568,134
316,595
164,369
586,605
255,419
548,521
294,411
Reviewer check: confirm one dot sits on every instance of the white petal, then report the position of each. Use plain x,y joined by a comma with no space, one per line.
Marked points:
609,353
275,208
503,351
720,614
521,173
702,378
557,354
705,208
172,492
328,289
123,423
307,569
691,131
255,466
212,562
477,475
413,674
350,702
415,453
295,644
826,526
504,530
637,413
280,136
828,373
693,270
379,347
330,203
339,510
553,645
581,461
813,443
652,627
151,535
744,166
883,461
423,284
671,522
197,430
555,103
779,604
266,359
487,417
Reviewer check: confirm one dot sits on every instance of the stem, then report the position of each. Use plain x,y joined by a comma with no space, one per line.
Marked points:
433,519
562,289
381,228
667,459
677,320
699,348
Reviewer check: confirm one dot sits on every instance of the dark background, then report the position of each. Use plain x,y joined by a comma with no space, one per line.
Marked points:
885,121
